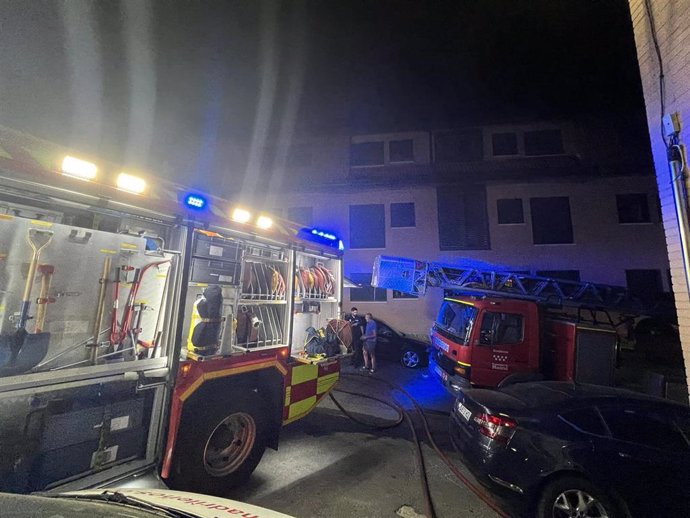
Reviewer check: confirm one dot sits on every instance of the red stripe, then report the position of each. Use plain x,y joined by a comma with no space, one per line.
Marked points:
303,391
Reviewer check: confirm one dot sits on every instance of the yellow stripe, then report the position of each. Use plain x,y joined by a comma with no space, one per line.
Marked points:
460,302
106,251
198,284
129,245
302,407
465,364
288,393
4,153
230,372
304,373
41,223
7,217
326,383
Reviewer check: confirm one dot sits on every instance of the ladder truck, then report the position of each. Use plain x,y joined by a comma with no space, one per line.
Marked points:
497,327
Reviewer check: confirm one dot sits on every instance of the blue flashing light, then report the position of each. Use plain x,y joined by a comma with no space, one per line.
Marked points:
195,201
325,235
321,236
341,246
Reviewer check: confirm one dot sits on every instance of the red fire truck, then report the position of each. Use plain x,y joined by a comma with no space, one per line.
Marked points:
497,327
142,324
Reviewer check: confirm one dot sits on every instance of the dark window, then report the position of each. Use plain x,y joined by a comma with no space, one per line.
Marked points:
402,295
644,284
510,211
543,142
551,223
500,329
632,208
301,215
457,320
367,226
402,215
585,420
650,427
504,144
366,153
566,275
383,330
401,150
367,293
462,219
459,146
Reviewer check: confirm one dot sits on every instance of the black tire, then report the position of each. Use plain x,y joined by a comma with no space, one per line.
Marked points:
200,462
410,358
565,492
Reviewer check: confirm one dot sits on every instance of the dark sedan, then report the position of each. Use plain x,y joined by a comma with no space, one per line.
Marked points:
396,345
580,451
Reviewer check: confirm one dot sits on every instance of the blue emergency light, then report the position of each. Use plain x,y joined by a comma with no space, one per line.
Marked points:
195,201
322,236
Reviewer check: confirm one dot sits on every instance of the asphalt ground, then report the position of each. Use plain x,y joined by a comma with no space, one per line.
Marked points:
329,466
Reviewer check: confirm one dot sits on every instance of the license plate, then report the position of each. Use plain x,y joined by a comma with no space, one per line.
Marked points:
441,373
464,411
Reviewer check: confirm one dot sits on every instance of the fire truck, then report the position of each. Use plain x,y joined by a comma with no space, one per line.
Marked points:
497,327
146,325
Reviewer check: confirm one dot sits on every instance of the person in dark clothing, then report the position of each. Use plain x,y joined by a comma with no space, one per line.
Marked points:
357,324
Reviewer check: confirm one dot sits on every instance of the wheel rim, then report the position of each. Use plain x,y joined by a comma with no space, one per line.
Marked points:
229,444
575,503
410,359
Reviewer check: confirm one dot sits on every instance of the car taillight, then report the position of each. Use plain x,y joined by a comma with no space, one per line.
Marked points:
497,427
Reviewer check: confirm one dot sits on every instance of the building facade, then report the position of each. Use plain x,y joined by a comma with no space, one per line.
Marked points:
669,24
560,199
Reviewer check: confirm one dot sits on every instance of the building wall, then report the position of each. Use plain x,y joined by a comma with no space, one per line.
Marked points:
672,21
602,250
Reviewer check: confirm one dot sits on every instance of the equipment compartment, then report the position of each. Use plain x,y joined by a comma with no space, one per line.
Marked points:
215,272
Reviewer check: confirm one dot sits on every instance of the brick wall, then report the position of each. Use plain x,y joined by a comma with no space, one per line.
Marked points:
672,21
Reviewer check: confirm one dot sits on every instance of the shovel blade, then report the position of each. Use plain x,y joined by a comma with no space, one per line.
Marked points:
32,352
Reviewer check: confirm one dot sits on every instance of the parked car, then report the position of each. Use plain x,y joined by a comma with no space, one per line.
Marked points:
571,450
411,351
133,503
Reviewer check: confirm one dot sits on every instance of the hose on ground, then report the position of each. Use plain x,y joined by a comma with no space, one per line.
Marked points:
480,493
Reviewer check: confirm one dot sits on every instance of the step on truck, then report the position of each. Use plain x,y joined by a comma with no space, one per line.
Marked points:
497,327
146,325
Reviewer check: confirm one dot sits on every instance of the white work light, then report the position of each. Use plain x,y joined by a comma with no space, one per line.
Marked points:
78,168
241,215
264,222
131,183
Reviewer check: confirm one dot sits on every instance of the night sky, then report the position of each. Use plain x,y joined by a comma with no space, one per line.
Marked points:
180,86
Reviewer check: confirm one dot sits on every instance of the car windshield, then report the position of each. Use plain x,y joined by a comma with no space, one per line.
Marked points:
456,319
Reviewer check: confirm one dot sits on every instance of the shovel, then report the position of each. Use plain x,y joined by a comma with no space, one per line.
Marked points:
22,351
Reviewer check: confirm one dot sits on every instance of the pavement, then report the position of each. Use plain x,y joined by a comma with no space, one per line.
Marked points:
329,466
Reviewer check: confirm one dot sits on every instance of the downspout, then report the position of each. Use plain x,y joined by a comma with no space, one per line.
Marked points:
676,165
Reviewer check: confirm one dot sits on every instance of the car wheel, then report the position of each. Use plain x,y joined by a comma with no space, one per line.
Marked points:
574,497
219,449
410,358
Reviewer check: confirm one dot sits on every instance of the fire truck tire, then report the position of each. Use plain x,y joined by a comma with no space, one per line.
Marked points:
219,449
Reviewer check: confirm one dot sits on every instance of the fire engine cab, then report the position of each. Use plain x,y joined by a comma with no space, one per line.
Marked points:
146,325
497,327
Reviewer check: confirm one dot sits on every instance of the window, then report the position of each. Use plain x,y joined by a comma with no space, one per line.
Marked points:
384,331
644,284
367,226
366,153
543,142
647,426
632,208
551,223
500,329
504,144
402,295
301,215
366,293
456,320
459,146
585,420
566,275
462,218
402,215
510,211
401,150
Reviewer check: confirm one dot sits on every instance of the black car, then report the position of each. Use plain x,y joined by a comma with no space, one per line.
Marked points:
396,345
569,450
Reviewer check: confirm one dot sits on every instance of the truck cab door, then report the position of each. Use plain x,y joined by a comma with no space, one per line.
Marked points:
499,347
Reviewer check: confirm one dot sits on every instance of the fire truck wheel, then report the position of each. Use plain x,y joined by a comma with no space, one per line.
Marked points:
218,450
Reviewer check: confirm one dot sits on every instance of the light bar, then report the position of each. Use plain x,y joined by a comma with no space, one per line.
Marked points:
325,235
78,168
195,201
264,222
241,215
131,183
